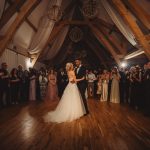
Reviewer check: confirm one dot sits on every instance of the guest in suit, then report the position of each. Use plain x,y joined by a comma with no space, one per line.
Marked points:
62,81
80,72
4,85
122,85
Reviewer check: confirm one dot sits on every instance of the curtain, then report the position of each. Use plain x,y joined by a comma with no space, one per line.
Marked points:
50,53
44,30
57,44
2,5
116,18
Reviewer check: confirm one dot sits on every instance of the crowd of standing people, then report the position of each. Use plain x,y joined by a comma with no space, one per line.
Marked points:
125,85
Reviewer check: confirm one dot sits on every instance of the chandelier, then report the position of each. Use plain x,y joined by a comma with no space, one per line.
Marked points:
54,12
90,8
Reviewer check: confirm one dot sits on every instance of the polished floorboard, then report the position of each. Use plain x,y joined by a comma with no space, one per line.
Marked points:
107,127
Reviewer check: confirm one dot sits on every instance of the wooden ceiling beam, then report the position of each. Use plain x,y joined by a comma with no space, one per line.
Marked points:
147,37
96,52
11,10
139,12
105,42
30,24
106,24
140,37
24,12
122,50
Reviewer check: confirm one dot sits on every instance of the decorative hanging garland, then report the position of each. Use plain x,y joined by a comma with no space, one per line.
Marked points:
90,8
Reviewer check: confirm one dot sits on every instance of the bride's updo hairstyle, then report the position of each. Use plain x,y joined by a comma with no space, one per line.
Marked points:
69,67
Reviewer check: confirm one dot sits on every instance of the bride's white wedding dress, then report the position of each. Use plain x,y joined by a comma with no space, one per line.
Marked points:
70,107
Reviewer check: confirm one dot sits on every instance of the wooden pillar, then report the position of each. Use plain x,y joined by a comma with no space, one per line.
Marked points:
26,8
133,25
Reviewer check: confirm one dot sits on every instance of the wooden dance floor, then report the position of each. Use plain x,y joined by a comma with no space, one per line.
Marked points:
107,127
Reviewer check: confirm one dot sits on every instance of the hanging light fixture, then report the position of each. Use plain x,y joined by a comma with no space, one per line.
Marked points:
89,9
54,13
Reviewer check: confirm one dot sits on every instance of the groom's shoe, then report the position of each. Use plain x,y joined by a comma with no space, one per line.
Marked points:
86,114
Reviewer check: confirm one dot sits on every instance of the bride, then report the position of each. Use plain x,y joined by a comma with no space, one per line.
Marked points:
71,106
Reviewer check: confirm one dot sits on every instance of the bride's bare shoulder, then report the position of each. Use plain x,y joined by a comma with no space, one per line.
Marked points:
71,72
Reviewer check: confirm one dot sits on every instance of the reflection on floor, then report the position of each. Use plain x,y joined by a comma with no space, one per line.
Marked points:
107,127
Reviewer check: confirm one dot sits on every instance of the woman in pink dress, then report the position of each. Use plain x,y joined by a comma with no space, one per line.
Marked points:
52,91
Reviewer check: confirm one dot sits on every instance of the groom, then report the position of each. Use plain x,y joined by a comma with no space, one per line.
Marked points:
80,72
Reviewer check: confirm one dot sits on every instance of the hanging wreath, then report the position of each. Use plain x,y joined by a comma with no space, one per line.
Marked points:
76,34
90,9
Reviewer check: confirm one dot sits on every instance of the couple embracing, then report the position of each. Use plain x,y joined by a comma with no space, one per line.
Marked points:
73,104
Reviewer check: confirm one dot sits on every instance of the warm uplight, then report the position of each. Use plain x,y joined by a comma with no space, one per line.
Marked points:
29,63
134,54
123,64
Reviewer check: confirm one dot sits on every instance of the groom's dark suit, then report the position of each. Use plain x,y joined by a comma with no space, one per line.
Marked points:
80,73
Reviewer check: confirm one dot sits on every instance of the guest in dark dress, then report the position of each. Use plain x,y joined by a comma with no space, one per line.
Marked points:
20,74
4,85
135,96
26,85
14,86
122,85
147,90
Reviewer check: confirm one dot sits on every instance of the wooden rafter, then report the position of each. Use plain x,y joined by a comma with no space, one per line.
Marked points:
133,26
106,24
31,25
139,12
11,10
113,40
147,37
24,12
96,52
105,42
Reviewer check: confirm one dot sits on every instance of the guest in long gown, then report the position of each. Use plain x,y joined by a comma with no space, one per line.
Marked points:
135,79
43,84
32,86
115,95
52,91
105,81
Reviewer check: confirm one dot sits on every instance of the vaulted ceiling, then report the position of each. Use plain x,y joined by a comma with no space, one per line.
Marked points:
102,41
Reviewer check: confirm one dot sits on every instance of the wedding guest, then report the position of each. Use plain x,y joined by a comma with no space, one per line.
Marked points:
122,85
20,74
26,84
105,81
14,86
95,82
127,85
43,84
135,79
91,78
4,85
99,87
147,90
115,95
32,86
62,81
52,91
